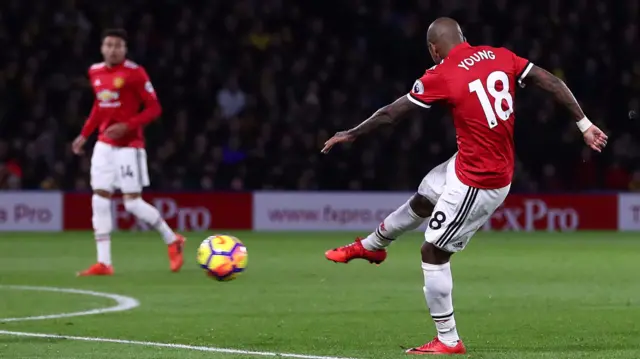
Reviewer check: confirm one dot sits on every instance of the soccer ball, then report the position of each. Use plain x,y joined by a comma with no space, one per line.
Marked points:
223,257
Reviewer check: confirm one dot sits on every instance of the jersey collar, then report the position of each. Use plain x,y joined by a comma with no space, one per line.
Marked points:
458,48
116,66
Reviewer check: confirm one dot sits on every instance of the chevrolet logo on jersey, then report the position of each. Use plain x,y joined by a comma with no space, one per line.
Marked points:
118,82
108,98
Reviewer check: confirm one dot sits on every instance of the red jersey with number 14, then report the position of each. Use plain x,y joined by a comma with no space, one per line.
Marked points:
478,84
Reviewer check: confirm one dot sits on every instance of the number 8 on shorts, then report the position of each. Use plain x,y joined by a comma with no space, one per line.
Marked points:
460,210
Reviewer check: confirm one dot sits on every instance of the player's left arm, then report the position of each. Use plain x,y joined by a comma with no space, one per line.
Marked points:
560,91
593,136
152,109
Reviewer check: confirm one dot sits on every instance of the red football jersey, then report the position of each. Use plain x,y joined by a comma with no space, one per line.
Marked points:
478,84
120,92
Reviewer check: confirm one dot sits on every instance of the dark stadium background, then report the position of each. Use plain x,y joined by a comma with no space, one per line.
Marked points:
305,69
251,89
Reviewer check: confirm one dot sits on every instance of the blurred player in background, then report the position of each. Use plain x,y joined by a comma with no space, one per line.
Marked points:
478,84
119,160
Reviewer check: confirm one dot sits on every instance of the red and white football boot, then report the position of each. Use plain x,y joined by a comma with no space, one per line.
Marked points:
97,269
436,347
355,250
176,257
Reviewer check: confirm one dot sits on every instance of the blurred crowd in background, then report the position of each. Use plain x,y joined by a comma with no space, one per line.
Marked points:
252,88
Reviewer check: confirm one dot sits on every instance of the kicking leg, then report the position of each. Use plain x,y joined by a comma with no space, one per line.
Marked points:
406,218
135,205
413,213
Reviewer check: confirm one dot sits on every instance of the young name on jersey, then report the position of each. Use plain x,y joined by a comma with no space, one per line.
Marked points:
475,58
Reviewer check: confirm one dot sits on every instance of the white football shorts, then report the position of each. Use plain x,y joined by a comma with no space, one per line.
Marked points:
460,210
123,168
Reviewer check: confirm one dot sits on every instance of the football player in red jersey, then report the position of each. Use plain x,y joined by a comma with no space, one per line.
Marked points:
478,84
119,160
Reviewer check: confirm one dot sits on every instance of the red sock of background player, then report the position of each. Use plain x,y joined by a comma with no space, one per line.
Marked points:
102,226
400,221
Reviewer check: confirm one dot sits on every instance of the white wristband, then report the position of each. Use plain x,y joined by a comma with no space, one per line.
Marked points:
584,124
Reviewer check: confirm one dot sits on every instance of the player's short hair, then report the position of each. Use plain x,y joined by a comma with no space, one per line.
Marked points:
120,33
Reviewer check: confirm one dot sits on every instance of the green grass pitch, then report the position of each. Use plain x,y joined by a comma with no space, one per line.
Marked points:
517,295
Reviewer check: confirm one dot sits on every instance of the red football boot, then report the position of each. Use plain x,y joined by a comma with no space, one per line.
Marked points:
355,250
97,269
436,347
175,249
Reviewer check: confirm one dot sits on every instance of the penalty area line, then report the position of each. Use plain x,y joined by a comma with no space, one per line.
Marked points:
167,345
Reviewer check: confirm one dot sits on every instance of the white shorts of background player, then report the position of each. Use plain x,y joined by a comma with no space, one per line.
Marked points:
123,168
460,210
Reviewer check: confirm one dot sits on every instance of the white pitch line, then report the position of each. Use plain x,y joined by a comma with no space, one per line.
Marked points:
122,303
168,345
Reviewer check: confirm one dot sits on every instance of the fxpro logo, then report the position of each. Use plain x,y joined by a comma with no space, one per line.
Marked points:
534,214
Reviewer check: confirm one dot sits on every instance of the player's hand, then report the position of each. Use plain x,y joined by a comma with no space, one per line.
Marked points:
77,144
595,138
339,137
116,131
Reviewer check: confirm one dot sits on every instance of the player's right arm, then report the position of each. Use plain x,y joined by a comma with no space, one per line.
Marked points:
89,126
395,111
593,136
92,121
389,114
